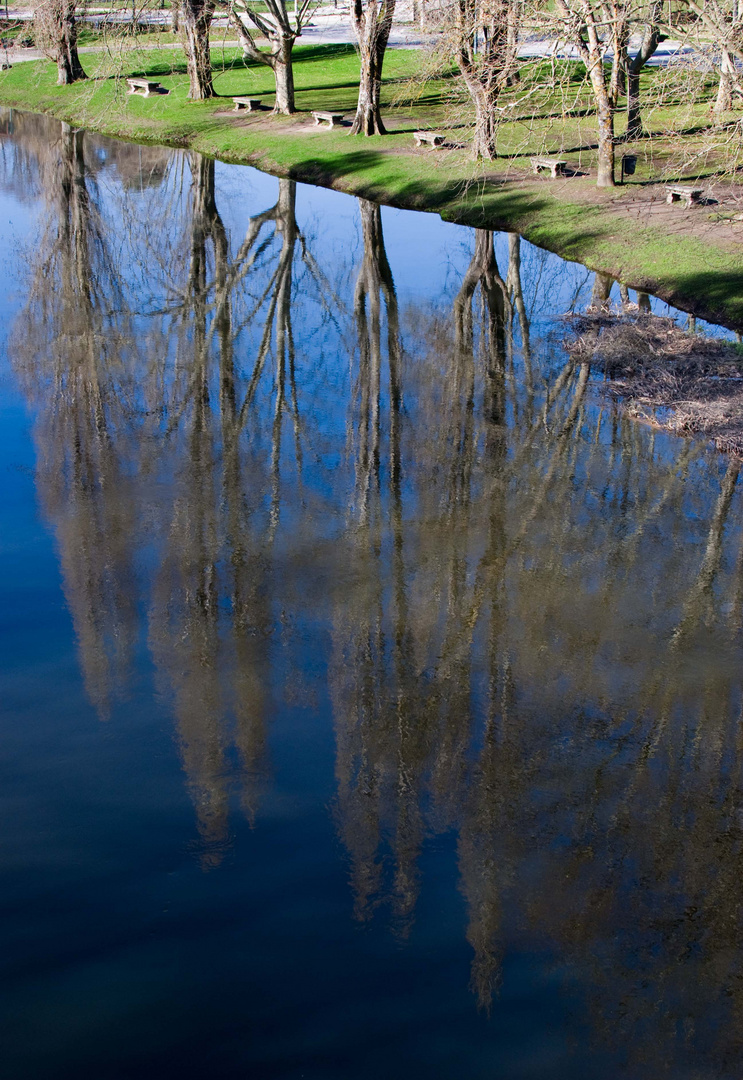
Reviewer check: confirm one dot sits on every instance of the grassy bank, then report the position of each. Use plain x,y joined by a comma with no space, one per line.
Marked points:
692,258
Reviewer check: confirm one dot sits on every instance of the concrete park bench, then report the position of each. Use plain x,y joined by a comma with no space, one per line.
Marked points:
249,103
431,137
333,118
690,195
556,166
145,86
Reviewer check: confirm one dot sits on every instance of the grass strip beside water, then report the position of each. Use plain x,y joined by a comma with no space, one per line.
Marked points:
691,263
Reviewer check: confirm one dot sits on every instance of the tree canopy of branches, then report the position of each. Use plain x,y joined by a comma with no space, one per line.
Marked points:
281,31
56,30
589,47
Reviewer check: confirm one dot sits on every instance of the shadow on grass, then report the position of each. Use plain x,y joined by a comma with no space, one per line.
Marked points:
171,66
354,85
572,114
406,130
716,295
160,67
581,148
304,53
400,80
419,101
482,204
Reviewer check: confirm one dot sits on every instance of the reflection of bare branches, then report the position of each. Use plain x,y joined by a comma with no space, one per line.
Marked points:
374,285
213,549
379,755
712,556
532,706
70,346
513,281
534,601
184,630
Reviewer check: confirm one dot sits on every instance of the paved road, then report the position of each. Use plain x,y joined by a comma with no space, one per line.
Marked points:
331,26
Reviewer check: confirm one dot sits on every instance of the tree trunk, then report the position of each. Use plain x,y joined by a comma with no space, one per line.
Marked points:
635,130
374,285
605,115
724,100
651,39
69,68
284,73
485,70
368,119
586,37
620,64
372,25
196,20
483,271
286,210
601,292
175,18
483,144
279,59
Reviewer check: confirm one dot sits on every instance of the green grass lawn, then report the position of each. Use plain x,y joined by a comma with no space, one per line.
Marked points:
578,224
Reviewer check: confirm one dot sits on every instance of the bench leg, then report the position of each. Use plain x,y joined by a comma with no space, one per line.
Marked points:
672,197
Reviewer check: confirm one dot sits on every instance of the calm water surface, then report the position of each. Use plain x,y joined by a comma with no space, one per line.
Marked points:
370,691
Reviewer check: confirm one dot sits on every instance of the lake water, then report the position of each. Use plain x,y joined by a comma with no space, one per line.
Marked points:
370,689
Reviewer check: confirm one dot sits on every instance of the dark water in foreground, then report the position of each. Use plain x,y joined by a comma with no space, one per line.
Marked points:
370,692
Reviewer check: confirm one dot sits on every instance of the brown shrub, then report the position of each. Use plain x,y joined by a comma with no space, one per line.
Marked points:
681,381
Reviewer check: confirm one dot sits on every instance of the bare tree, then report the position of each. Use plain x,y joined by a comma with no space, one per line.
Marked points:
74,349
721,21
481,36
382,750
281,31
372,22
56,30
651,39
591,28
212,545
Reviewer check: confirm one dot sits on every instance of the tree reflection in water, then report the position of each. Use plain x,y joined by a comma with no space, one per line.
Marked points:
74,352
210,618
535,604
